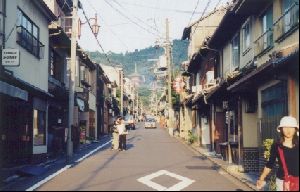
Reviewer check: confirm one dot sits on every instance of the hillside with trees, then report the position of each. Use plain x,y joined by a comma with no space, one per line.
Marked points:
143,59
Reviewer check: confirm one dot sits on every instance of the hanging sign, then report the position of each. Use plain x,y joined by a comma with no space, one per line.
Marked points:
11,57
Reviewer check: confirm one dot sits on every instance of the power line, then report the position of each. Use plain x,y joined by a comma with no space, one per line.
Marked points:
116,2
122,42
87,19
194,11
205,9
218,3
162,9
117,10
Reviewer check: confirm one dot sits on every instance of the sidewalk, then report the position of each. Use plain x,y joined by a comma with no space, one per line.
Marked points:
247,178
12,180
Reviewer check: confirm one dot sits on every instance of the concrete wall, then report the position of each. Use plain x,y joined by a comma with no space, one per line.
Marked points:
113,73
31,69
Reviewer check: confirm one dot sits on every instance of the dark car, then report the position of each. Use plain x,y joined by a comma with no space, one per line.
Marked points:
130,122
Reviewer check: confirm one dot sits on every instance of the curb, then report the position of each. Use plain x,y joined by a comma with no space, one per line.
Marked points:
244,181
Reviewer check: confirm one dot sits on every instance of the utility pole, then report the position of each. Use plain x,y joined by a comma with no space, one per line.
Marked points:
72,80
168,58
122,92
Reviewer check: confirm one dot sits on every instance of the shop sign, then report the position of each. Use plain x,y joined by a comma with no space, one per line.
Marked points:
11,57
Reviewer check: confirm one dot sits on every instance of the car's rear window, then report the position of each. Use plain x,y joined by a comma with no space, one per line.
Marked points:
150,120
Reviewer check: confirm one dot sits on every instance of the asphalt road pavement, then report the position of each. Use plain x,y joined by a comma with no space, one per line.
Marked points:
153,161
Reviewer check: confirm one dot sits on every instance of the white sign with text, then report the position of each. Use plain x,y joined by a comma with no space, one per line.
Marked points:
11,57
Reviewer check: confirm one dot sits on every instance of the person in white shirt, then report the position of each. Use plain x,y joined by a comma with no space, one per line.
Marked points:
122,133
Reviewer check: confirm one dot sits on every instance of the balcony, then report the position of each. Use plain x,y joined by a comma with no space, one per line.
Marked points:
30,43
287,23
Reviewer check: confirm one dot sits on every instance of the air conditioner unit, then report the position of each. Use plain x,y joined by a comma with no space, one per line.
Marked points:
67,25
194,89
210,76
199,88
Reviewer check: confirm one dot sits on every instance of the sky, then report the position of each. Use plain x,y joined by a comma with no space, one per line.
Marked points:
126,25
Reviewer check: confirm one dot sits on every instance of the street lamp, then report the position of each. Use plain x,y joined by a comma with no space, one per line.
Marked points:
95,26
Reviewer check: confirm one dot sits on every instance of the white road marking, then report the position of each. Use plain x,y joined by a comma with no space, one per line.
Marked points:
90,153
37,185
184,182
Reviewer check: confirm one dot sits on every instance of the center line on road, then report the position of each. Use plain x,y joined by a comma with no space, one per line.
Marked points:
39,184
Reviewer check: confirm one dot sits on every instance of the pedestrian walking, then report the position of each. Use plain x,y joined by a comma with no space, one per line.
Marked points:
122,133
115,139
286,151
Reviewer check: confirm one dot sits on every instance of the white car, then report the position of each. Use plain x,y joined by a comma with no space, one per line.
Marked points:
150,123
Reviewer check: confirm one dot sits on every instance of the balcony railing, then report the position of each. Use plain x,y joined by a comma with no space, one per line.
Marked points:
264,42
287,22
29,42
284,26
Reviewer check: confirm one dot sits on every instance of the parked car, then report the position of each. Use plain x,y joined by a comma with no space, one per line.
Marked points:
130,122
150,123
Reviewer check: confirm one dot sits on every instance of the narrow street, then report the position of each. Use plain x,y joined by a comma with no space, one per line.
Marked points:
152,153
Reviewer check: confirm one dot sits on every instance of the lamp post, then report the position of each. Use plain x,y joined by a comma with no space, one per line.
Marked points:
95,26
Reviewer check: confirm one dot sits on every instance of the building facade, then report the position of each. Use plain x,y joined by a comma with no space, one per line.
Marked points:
24,86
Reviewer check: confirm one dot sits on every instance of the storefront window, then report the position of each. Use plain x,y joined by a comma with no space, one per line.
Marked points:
39,128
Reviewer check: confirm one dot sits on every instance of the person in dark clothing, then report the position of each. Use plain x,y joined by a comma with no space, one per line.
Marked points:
289,143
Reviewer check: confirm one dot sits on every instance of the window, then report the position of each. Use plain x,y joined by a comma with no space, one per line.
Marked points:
246,35
235,52
39,128
267,25
28,35
291,11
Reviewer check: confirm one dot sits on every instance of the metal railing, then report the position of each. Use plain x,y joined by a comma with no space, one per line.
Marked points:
287,21
264,42
29,42
285,24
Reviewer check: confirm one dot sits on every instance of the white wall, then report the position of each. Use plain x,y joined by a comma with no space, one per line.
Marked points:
112,73
31,69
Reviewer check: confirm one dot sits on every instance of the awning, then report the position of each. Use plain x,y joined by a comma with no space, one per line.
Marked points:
188,99
23,85
13,91
219,92
197,97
